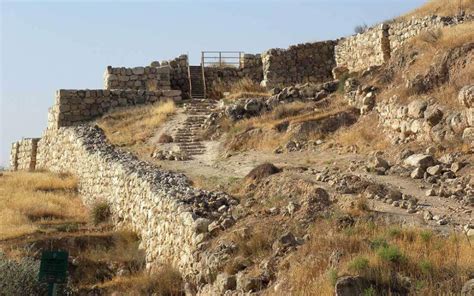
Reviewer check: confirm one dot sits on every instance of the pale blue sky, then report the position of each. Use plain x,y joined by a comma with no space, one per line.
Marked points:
51,45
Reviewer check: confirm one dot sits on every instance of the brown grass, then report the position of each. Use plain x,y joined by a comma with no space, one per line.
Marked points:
436,42
165,282
243,88
28,199
422,257
364,135
442,8
131,127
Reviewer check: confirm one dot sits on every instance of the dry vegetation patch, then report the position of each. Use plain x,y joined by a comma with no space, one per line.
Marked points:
385,255
132,127
442,8
30,199
243,88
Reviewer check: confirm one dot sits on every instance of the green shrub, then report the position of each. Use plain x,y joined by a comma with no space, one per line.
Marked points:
100,212
391,254
20,277
332,275
369,292
426,267
359,264
378,243
426,235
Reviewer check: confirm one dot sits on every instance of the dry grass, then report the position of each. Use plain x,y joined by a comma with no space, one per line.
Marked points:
28,199
377,252
363,135
243,88
165,282
436,42
131,127
442,8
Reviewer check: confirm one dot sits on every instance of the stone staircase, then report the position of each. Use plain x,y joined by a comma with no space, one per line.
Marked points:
197,82
188,136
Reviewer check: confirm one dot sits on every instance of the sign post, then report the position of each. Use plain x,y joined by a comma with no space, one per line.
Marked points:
53,269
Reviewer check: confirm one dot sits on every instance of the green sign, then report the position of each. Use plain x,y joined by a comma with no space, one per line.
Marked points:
53,267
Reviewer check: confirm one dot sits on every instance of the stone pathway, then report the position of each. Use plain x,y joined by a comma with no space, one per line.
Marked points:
188,135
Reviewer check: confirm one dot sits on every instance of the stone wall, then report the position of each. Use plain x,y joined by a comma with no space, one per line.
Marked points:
374,47
150,78
171,217
309,62
401,32
358,52
23,154
223,77
179,74
73,107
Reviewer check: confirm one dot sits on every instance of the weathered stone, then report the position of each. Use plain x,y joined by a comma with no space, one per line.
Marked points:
434,170
417,108
421,161
433,115
466,96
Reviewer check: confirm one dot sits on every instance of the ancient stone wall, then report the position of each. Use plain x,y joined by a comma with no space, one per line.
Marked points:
360,51
150,78
179,74
401,32
171,217
374,47
77,106
309,62
223,77
23,154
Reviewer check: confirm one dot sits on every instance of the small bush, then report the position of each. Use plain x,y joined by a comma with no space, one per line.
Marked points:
391,254
369,292
359,29
100,212
359,264
394,232
19,277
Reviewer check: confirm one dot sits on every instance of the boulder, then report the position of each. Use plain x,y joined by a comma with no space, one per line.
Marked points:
470,117
201,225
468,135
351,286
421,161
417,173
466,96
417,108
378,162
468,288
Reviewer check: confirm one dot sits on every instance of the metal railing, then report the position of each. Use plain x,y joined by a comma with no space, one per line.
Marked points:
222,59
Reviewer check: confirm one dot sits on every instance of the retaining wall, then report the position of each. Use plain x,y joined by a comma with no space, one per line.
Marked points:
361,51
23,154
159,205
309,62
73,107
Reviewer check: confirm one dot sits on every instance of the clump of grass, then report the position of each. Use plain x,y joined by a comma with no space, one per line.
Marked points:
30,198
426,236
442,8
100,212
391,254
167,280
426,267
243,88
359,264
